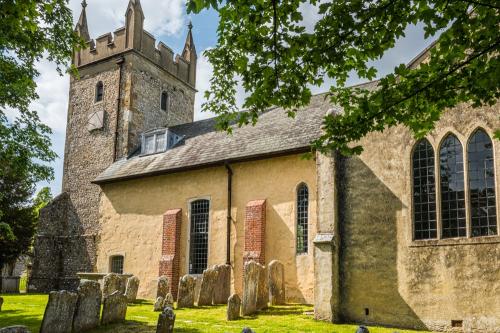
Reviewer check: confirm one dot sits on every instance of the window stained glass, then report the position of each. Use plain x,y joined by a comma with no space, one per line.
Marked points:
302,218
424,191
198,257
482,185
452,188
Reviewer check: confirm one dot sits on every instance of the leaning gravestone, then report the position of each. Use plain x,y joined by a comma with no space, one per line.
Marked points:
163,288
88,306
233,307
132,288
168,301
158,306
276,272
1,303
166,321
15,329
111,283
114,308
207,288
185,294
251,278
59,312
222,288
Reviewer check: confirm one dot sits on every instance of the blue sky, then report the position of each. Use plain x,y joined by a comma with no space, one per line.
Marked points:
167,20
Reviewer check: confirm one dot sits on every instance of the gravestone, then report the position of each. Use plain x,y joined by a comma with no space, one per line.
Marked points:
262,289
15,329
114,308
185,294
132,288
1,303
112,282
251,281
207,288
158,306
59,312
222,288
233,307
88,306
169,300
247,330
163,288
276,272
166,321
362,329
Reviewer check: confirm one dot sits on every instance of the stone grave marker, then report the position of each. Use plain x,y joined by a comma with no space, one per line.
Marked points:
166,321
59,312
114,308
185,294
207,288
233,307
88,306
222,289
276,271
132,288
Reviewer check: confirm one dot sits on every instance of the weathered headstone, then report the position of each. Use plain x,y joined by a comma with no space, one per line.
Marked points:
185,294
163,287
88,306
132,288
207,288
168,301
233,307
114,308
251,278
1,303
59,312
15,329
276,272
166,321
222,288
247,330
158,306
111,283
263,289
362,329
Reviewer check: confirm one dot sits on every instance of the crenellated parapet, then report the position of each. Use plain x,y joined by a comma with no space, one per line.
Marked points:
133,38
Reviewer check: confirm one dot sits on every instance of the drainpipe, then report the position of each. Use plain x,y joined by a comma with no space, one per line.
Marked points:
229,219
119,62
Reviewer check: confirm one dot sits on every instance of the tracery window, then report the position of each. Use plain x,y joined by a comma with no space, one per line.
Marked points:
451,164
117,264
99,91
198,254
302,218
481,185
164,101
424,191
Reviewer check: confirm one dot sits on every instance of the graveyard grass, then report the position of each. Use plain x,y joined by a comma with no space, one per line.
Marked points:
28,310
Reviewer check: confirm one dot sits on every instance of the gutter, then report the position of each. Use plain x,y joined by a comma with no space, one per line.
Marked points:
229,218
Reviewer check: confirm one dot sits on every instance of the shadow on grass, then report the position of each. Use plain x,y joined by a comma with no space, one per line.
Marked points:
138,302
133,326
19,317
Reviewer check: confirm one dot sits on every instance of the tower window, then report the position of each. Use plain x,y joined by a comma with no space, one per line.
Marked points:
198,256
117,264
302,218
164,101
99,91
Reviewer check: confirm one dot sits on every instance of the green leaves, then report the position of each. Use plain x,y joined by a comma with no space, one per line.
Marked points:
265,46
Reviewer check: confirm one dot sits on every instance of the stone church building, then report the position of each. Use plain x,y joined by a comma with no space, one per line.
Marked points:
405,234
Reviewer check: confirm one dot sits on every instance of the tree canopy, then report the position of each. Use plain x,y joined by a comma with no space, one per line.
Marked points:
266,45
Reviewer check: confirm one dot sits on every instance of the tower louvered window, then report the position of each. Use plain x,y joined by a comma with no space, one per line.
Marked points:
198,257
164,101
451,166
424,191
481,185
302,218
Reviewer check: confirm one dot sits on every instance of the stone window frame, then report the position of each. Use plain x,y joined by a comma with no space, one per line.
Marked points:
110,262
97,85
436,141
295,194
188,240
167,103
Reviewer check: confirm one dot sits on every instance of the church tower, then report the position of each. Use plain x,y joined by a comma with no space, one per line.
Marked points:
126,85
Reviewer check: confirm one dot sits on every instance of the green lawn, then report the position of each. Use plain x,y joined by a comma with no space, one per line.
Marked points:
28,310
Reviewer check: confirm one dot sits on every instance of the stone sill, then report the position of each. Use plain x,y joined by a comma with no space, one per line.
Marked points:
456,241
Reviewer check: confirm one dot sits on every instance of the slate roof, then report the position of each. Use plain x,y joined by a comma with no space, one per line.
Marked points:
274,134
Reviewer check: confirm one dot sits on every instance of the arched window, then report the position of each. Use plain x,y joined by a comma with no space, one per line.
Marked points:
481,185
164,101
116,263
424,191
198,254
99,91
302,218
451,168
